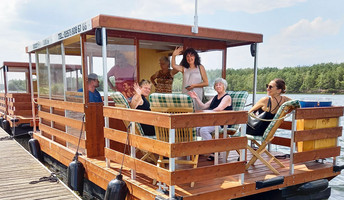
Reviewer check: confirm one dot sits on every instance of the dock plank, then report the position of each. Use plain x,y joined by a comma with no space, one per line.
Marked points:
18,168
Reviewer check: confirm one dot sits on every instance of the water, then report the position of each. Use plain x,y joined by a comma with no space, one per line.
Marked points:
337,184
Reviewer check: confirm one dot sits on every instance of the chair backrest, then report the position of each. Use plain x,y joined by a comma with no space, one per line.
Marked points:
121,101
283,110
172,103
238,103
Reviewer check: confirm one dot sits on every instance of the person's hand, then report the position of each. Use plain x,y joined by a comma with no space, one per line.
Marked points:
137,89
177,51
193,94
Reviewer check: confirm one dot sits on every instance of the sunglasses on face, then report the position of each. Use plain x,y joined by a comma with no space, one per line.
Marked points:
269,86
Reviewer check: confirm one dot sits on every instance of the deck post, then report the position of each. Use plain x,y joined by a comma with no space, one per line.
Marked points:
172,164
132,149
292,143
242,152
216,155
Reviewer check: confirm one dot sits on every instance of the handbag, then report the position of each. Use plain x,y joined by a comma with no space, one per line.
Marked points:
257,127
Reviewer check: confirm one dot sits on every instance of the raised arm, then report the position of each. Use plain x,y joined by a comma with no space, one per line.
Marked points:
137,99
176,52
198,101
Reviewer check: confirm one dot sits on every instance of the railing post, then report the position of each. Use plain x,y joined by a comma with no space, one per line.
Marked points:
242,152
132,149
292,143
216,155
172,163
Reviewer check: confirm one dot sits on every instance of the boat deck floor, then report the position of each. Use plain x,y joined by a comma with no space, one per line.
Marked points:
229,187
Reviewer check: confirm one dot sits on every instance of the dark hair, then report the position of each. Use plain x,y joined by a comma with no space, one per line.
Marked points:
191,51
143,82
280,84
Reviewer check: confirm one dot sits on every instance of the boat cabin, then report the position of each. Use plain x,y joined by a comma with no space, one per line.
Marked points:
122,51
15,94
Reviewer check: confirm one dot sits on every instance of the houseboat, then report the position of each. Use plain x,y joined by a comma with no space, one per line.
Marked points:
65,115
16,98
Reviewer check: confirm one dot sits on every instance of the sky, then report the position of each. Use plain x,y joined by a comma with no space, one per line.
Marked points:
295,32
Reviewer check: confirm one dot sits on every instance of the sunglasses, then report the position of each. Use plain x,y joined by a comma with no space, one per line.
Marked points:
269,86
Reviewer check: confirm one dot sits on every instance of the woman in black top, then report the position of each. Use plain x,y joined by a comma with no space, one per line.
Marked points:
140,102
222,101
269,104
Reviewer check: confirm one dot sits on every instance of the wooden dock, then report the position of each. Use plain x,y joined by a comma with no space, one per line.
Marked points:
18,168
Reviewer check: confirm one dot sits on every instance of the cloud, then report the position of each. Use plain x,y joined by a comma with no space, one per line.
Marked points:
305,29
303,43
248,6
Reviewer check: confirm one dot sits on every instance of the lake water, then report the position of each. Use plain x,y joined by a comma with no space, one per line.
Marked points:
337,184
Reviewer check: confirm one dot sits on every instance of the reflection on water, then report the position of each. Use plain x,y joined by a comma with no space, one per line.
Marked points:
337,184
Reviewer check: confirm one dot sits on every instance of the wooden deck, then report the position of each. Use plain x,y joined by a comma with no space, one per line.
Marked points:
226,187
18,168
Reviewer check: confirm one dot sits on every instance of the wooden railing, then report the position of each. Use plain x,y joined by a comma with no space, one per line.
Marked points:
316,134
53,122
174,150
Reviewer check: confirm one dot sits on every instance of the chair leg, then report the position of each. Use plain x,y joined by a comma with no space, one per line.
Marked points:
258,156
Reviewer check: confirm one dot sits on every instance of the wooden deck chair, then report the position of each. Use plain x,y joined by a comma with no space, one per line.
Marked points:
238,103
174,103
121,101
268,135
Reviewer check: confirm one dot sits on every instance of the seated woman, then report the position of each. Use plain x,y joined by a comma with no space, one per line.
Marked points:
269,104
140,102
222,101
163,77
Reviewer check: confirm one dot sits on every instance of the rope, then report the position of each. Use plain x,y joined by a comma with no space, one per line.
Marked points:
269,120
52,178
6,138
77,149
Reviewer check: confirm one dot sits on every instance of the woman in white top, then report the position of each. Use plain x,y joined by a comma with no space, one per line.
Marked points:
194,74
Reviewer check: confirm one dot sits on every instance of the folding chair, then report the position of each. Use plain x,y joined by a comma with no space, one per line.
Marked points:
174,103
268,135
121,101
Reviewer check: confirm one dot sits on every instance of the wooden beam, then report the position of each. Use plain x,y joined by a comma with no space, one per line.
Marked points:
65,105
60,119
62,135
317,134
207,173
141,142
319,112
281,141
95,141
207,146
316,154
140,166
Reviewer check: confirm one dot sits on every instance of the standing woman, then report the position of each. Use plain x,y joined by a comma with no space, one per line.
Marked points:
163,77
269,104
194,74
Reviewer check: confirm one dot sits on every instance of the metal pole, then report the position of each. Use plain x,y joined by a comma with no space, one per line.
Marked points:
172,161
104,53
194,29
32,94
255,75
292,144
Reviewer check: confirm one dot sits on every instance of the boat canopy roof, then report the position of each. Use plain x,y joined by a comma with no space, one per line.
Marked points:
164,35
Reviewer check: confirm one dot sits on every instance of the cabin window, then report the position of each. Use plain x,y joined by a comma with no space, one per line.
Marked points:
121,64
17,82
43,78
56,72
2,81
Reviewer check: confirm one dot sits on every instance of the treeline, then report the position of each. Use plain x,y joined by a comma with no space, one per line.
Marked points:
318,78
